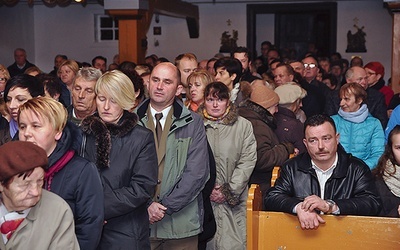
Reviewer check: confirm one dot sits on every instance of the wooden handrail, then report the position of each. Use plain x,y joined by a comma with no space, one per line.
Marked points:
275,230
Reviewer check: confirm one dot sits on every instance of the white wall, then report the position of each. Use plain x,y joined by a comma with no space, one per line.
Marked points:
45,32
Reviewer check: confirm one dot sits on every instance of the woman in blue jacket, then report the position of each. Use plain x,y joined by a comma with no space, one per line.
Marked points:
360,134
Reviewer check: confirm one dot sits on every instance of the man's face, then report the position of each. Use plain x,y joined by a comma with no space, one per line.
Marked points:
321,143
223,76
210,67
298,67
186,67
58,61
359,76
163,86
83,96
23,193
101,65
272,55
336,71
281,76
310,68
20,57
325,65
244,60
264,50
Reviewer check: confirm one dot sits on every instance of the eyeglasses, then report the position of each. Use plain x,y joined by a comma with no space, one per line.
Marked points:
370,74
311,65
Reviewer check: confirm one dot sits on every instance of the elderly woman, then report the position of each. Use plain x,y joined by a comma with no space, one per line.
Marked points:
232,141
197,82
43,121
360,133
125,157
19,89
30,217
387,175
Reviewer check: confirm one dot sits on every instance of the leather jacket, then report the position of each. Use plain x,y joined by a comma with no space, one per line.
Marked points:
351,186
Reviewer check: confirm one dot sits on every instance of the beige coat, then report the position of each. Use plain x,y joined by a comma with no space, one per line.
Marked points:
235,152
49,225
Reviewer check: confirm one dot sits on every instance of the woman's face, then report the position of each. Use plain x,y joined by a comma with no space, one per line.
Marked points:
216,107
15,98
2,81
348,102
67,75
39,130
109,111
196,88
396,147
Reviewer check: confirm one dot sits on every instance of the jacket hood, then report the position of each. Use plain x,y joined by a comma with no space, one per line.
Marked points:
71,139
258,111
93,125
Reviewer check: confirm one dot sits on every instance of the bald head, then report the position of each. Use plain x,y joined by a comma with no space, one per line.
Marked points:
358,75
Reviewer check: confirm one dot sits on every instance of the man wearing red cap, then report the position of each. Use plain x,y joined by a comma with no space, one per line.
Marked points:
375,73
30,217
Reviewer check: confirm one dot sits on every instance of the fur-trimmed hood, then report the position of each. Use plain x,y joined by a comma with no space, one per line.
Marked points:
229,119
93,125
258,111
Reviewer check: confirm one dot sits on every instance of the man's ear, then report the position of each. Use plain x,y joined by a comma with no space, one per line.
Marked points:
179,90
57,96
338,138
305,142
233,76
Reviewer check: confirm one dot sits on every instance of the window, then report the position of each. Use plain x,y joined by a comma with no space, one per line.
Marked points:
106,28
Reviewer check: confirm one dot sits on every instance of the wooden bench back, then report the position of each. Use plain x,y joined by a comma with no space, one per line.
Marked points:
273,230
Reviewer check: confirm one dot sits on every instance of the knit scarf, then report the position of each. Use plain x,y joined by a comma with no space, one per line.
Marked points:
393,180
357,117
212,118
234,92
60,164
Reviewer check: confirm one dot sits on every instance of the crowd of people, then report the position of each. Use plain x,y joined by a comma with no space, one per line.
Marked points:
160,155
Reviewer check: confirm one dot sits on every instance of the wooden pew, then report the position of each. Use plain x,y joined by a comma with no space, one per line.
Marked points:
281,231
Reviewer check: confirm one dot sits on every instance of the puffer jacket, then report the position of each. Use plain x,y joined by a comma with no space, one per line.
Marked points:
351,186
365,140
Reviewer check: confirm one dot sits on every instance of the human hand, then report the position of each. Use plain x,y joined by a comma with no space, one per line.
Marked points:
398,209
308,219
313,202
216,195
156,212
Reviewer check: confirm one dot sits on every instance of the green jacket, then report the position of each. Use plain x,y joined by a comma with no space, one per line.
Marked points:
186,170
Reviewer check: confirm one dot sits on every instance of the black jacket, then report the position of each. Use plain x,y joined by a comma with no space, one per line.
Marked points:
125,155
14,70
351,186
78,183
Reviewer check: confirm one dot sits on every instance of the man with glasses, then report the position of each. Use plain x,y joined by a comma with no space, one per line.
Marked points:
375,99
311,71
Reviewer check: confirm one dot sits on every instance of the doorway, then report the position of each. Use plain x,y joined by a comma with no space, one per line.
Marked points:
297,27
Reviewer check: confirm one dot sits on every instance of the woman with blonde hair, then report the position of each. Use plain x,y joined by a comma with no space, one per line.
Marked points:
43,121
197,82
126,160
67,73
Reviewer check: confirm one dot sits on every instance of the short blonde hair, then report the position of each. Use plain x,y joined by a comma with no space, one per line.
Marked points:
119,87
48,108
4,70
202,74
73,65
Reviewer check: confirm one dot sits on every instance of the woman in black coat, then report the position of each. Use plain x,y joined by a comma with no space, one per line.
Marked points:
126,158
43,121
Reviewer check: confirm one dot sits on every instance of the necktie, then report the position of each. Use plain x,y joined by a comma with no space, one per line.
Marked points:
158,127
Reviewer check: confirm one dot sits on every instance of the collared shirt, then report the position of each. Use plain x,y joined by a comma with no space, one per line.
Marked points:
164,117
323,175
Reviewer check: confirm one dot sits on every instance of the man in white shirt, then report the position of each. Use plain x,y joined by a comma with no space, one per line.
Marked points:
324,180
